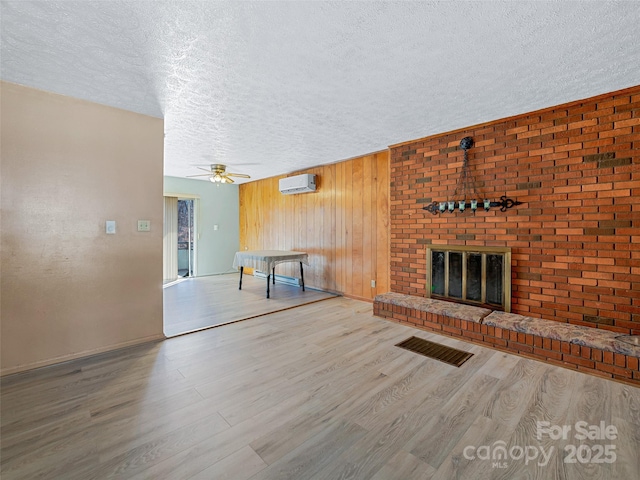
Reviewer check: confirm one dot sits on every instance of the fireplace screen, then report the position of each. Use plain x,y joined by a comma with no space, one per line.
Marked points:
473,275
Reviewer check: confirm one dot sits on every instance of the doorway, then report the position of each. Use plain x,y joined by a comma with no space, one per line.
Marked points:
186,238
180,241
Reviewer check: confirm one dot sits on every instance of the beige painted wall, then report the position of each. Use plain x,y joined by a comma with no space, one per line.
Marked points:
67,288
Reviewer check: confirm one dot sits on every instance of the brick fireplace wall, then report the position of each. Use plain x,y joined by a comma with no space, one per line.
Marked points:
576,239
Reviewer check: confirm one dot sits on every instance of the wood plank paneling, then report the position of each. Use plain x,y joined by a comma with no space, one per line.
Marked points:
357,215
344,225
347,271
382,225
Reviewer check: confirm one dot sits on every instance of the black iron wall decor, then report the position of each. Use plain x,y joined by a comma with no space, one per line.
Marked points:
466,194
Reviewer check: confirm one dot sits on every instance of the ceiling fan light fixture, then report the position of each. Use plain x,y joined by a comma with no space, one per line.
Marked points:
218,174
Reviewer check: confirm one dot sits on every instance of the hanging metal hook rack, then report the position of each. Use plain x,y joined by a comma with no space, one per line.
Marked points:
466,195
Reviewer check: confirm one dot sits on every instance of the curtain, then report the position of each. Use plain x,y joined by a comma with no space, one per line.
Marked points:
170,239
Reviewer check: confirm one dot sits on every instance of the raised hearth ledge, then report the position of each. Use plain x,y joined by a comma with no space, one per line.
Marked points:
587,349
438,307
576,334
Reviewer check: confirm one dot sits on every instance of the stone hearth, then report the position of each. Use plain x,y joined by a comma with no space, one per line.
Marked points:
591,350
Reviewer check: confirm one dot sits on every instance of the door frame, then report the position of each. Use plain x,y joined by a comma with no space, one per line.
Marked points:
196,217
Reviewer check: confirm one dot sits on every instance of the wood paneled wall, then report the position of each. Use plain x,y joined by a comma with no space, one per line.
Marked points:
343,225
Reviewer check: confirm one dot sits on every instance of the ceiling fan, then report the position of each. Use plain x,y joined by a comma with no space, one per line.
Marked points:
217,173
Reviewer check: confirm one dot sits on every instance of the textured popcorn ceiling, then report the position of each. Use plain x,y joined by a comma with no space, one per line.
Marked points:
272,87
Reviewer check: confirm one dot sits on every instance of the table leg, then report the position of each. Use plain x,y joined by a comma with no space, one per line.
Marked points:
241,270
268,279
274,275
301,276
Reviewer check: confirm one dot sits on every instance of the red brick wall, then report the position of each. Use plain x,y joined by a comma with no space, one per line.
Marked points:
575,241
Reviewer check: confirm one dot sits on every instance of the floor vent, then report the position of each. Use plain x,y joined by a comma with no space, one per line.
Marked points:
445,354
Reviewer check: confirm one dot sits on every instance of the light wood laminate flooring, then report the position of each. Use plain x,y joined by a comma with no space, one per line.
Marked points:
315,392
201,302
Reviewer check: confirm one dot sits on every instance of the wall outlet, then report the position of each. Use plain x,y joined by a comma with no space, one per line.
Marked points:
373,284
110,227
144,225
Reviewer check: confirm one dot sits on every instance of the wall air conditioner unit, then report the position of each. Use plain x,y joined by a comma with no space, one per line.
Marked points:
298,184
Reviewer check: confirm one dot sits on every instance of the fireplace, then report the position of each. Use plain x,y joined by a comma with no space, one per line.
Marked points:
574,261
574,254
468,274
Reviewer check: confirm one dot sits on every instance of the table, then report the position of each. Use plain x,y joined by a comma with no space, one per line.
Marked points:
266,261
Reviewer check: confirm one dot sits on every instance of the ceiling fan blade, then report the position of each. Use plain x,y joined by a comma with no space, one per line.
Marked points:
205,169
203,175
228,180
240,175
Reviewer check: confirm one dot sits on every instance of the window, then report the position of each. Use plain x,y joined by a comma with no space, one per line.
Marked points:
473,275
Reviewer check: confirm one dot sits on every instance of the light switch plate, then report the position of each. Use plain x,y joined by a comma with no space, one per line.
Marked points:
110,227
144,225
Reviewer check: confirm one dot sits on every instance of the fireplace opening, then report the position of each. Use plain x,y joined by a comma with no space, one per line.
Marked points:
472,275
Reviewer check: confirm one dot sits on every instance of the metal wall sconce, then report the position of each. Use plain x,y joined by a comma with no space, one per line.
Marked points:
466,188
